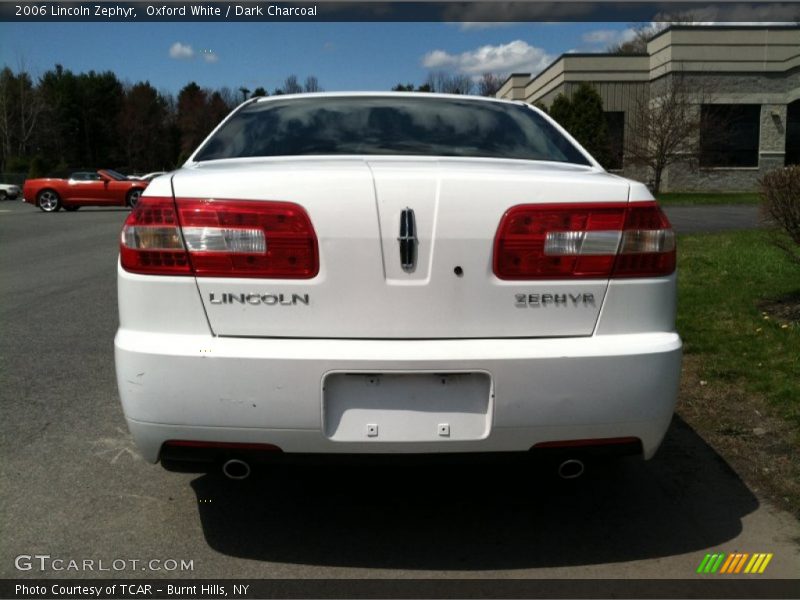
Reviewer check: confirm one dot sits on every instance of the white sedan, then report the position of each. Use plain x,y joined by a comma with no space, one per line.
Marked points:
395,273
9,191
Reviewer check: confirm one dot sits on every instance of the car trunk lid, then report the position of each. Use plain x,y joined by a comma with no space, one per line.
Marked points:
370,215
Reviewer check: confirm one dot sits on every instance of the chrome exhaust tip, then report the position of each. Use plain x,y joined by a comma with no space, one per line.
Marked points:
571,469
236,469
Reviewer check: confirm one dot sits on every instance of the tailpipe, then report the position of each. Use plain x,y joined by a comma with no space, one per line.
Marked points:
236,469
571,469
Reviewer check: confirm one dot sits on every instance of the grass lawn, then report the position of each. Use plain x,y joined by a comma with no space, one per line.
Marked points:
741,380
691,198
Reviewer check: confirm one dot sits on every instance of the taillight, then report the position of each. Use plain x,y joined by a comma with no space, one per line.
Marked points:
248,238
219,238
558,241
151,240
648,243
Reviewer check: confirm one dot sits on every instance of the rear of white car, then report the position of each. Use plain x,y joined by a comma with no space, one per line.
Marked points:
9,191
404,290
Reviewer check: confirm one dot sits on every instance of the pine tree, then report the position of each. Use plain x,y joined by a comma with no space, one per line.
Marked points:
561,111
588,123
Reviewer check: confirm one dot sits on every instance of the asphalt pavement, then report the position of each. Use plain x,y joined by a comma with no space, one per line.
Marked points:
73,487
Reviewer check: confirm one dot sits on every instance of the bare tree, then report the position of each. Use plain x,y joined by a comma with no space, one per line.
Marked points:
228,95
312,84
665,125
780,203
20,108
489,83
450,83
30,108
290,85
6,114
644,32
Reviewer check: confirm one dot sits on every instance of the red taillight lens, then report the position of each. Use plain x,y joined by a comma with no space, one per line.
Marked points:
648,243
151,241
247,238
223,238
558,241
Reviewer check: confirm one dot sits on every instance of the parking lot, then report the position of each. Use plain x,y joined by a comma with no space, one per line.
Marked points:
73,487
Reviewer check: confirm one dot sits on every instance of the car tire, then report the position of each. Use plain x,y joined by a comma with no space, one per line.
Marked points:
48,201
133,197
3,195
71,208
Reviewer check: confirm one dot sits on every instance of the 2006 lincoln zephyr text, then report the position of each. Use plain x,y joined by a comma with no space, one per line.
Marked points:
394,273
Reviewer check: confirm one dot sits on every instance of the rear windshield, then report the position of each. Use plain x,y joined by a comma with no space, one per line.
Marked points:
389,126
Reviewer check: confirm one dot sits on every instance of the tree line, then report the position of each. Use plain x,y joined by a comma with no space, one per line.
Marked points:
66,121
70,121
443,82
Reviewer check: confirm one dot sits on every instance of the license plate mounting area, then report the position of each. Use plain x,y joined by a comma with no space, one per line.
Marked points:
407,407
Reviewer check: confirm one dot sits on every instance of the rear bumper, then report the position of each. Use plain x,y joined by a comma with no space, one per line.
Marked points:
270,391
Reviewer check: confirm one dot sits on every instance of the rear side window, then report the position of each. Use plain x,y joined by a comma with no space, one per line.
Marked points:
389,126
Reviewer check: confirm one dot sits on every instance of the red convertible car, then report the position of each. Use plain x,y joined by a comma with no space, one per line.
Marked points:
101,188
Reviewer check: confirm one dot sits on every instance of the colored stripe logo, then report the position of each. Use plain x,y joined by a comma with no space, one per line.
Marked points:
737,562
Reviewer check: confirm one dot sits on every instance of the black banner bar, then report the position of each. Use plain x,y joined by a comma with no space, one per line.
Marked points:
334,11
209,589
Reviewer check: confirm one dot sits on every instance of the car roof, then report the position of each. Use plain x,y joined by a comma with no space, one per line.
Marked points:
362,94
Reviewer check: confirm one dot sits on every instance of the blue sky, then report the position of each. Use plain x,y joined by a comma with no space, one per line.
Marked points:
343,56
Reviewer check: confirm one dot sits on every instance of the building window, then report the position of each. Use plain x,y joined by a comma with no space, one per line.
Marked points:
793,133
729,135
615,121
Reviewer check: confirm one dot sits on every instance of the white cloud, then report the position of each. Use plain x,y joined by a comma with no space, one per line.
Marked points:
599,36
608,37
180,51
477,25
437,59
516,56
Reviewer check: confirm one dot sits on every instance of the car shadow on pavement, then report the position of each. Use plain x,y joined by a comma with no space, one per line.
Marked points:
479,517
